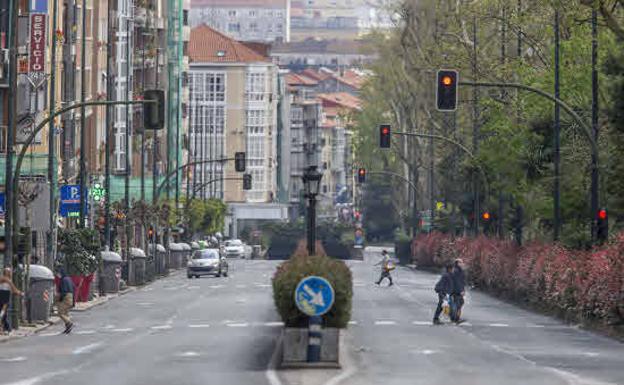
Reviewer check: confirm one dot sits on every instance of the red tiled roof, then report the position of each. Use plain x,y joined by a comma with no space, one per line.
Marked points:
351,78
238,3
316,75
210,46
293,79
340,99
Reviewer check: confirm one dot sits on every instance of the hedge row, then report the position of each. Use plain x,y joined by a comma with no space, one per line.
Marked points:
581,285
300,265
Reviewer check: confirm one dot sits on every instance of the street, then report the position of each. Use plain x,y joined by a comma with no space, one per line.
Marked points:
174,331
224,331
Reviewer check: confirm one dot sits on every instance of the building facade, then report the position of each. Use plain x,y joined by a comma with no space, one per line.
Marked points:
245,20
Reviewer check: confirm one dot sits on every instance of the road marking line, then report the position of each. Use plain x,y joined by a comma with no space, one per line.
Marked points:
109,327
241,286
237,325
421,323
123,330
499,325
192,287
87,348
536,326
263,285
187,354
385,323
145,303
198,326
161,327
270,373
274,324
85,332
215,286
13,359
353,322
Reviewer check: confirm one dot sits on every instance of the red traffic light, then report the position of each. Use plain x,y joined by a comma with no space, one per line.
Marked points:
385,130
362,171
486,216
447,80
602,214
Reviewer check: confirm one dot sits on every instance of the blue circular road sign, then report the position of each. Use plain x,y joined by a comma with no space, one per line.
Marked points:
314,296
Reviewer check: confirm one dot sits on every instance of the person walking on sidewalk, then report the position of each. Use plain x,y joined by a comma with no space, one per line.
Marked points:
386,268
457,296
444,287
6,289
65,299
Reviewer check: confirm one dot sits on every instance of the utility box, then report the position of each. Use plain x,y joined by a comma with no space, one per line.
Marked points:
137,267
176,254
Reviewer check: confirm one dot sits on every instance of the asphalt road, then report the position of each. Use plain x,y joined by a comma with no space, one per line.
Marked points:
223,331
392,341
175,331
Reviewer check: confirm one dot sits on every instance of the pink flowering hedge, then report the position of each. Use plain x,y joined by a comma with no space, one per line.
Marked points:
584,285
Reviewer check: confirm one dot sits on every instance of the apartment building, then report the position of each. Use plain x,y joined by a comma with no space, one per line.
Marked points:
245,20
232,108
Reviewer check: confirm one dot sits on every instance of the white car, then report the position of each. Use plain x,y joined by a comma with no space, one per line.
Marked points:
207,262
235,248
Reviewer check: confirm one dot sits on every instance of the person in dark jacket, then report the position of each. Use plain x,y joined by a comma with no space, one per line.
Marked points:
6,289
457,296
65,299
443,288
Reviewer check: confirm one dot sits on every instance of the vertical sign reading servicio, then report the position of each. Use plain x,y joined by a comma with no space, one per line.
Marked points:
37,42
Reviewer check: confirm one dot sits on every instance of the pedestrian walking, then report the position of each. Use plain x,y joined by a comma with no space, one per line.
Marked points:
6,289
386,267
459,291
65,299
443,287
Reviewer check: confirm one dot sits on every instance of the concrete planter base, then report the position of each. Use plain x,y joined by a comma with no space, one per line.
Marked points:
295,348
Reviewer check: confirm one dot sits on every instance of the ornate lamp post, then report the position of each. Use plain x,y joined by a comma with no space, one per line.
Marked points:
312,183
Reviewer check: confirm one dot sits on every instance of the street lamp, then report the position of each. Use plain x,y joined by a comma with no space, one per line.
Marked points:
312,183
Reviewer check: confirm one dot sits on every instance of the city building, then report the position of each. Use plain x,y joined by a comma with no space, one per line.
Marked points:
245,20
305,149
334,54
233,108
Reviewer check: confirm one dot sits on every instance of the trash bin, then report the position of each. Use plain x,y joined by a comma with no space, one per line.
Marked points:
137,267
40,296
186,254
111,272
176,254
159,258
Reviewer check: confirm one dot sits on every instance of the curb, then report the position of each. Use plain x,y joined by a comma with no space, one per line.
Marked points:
53,321
103,300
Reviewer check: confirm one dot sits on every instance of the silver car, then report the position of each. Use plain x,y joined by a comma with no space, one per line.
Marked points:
207,262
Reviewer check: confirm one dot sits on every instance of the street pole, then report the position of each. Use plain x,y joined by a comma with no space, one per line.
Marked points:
431,176
127,149
557,138
12,119
595,110
155,149
83,118
52,171
312,224
475,127
109,120
143,31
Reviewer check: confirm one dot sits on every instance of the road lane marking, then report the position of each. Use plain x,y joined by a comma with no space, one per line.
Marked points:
385,323
49,334
85,332
145,303
187,354
274,324
199,326
215,286
161,327
193,287
264,285
237,325
109,327
123,330
353,323
241,286
270,373
421,323
13,359
87,348
495,325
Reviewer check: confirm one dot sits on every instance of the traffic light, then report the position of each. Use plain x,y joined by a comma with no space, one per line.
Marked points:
487,221
361,175
384,136
247,182
240,162
150,233
447,90
603,226
154,113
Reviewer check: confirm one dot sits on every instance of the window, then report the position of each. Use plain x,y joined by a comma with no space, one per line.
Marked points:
232,13
252,13
256,121
256,86
253,27
280,28
234,27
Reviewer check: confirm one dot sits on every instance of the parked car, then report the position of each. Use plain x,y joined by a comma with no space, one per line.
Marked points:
234,248
207,262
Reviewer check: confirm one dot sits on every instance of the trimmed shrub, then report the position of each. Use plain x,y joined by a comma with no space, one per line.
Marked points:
291,272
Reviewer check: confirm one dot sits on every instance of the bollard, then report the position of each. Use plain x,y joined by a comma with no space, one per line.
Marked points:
315,336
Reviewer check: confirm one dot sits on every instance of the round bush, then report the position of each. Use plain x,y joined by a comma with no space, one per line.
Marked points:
289,274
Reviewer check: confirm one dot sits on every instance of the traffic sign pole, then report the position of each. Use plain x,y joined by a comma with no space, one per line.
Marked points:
314,296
